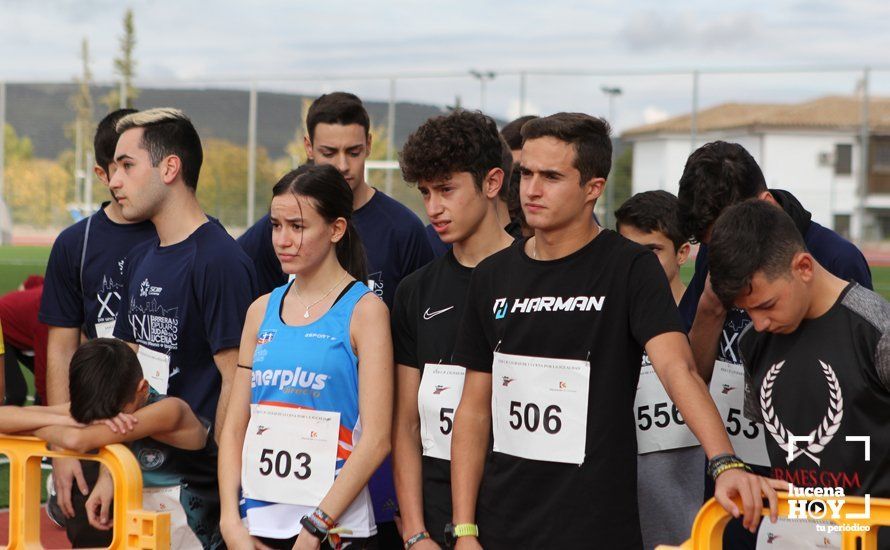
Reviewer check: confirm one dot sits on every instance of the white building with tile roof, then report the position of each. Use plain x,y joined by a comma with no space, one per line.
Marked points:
811,149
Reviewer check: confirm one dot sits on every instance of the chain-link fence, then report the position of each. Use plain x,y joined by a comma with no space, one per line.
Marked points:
252,130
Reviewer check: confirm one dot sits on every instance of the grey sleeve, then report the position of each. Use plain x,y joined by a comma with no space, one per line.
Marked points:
876,310
882,360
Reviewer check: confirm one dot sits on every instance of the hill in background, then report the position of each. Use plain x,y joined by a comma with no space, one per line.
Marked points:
41,112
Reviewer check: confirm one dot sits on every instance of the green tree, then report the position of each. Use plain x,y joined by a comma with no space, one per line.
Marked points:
80,130
37,191
124,66
223,184
15,147
622,176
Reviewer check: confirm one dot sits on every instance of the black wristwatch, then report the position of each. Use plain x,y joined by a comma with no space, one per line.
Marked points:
313,529
454,532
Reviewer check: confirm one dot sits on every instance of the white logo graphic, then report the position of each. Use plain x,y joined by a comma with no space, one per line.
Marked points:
145,289
284,379
548,303
107,308
375,283
821,435
427,315
120,266
154,325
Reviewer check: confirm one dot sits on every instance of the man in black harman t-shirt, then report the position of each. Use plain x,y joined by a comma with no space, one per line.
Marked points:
817,361
552,339
455,160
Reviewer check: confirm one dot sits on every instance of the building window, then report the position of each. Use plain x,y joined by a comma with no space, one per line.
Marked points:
842,225
879,165
843,159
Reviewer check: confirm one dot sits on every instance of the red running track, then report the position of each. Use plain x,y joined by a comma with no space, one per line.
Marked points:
50,535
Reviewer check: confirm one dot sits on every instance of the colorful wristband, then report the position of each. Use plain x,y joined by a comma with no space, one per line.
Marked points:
325,519
416,538
724,462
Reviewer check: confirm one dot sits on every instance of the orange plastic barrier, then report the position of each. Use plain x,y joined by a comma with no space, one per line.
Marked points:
134,528
707,530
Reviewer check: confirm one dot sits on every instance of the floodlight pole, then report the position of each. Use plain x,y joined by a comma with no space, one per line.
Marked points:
482,76
693,117
2,140
523,90
390,133
251,154
857,227
611,92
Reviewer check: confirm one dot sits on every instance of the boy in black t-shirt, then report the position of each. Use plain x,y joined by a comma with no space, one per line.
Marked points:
816,361
670,485
456,162
552,339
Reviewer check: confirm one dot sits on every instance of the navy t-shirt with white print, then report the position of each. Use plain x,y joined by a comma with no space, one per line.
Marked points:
257,244
394,239
395,243
188,301
88,295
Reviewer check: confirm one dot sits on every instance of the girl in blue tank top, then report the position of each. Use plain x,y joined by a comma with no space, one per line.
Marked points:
310,410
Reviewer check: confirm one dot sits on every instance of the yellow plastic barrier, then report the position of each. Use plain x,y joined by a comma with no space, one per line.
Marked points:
134,528
707,530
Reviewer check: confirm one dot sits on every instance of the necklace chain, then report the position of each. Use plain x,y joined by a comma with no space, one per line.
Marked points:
325,295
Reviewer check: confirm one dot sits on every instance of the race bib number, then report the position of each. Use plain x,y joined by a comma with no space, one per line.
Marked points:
105,330
539,407
437,399
728,391
660,427
797,534
166,499
155,368
290,455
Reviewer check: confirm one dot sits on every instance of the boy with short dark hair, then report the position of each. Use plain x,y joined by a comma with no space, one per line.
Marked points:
173,446
652,219
82,295
552,338
815,355
669,481
457,163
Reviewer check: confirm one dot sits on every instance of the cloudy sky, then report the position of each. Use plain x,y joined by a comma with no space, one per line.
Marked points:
197,41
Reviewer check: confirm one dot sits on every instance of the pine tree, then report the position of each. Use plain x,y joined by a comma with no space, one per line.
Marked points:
124,67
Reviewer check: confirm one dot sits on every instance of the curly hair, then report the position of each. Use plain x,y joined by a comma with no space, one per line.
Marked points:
462,141
717,175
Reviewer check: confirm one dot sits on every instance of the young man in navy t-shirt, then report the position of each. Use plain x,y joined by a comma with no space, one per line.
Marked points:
82,294
186,292
395,242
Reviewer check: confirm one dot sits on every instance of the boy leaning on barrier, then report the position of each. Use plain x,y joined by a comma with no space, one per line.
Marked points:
111,402
816,356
